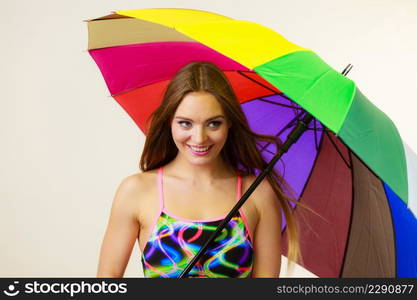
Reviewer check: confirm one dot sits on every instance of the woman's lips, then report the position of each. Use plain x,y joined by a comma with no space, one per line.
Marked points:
199,153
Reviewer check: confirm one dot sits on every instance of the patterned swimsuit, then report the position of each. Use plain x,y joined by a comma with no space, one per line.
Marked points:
174,241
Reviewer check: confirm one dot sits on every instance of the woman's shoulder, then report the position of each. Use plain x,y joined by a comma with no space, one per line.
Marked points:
132,186
137,192
263,196
139,179
263,188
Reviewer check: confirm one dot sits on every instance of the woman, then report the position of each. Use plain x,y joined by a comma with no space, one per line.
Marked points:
199,157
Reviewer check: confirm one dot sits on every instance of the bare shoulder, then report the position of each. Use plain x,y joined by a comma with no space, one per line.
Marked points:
135,190
137,181
264,196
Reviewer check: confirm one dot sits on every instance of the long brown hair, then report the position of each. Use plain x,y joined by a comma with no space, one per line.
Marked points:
240,150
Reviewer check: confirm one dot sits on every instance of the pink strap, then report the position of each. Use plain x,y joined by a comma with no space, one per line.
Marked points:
239,194
161,188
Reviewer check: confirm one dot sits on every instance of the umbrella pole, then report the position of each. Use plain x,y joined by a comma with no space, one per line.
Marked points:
294,135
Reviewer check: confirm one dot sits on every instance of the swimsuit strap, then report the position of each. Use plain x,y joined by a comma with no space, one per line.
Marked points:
161,188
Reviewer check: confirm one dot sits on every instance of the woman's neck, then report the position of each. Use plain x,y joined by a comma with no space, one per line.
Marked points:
198,174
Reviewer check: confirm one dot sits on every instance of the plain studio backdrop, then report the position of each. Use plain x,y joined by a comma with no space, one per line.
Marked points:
66,144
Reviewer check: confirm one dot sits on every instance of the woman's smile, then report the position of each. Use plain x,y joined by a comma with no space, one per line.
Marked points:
200,150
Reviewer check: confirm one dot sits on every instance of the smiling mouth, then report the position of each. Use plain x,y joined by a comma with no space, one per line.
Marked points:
200,150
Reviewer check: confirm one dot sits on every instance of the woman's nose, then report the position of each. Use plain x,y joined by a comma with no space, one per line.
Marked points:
200,135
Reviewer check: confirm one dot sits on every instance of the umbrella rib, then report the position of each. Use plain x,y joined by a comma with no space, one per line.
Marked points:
254,80
280,104
315,134
257,98
286,127
337,149
342,267
269,151
282,130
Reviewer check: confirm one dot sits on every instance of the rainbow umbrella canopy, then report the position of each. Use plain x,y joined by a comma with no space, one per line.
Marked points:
351,166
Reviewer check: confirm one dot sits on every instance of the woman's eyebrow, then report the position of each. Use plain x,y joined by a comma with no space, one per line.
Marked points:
215,117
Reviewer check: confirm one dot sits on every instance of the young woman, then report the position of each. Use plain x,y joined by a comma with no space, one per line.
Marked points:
199,157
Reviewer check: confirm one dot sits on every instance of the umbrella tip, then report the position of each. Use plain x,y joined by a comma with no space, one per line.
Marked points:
347,69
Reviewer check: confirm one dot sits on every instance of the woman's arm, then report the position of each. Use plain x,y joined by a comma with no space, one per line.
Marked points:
267,237
122,230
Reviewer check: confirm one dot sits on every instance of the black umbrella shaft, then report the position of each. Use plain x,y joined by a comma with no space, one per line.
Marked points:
291,139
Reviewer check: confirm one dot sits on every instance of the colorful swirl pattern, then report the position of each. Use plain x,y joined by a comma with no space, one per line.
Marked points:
173,243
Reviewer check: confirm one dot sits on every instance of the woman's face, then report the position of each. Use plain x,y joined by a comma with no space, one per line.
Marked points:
199,128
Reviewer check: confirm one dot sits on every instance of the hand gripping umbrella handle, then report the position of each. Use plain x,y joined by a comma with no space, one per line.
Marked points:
291,139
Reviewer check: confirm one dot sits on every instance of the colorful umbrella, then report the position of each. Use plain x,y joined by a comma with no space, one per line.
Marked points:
351,166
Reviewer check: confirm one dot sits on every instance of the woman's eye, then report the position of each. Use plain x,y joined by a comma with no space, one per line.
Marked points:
185,124
215,124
